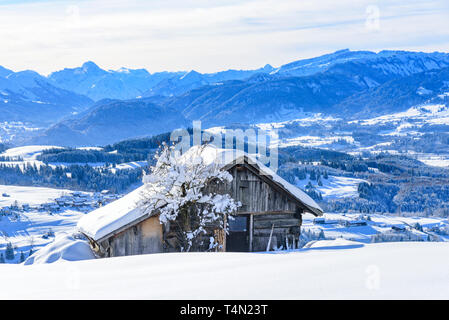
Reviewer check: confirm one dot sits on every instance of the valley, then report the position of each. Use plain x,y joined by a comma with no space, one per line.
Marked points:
364,134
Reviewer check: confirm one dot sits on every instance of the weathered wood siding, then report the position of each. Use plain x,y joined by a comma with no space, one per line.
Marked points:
269,207
255,194
144,237
286,231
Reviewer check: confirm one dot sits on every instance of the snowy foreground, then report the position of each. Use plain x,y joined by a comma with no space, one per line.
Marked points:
337,269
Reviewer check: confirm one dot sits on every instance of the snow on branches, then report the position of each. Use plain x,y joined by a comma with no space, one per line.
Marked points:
175,187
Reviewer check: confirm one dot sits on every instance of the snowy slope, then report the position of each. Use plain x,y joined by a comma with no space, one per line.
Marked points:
418,116
373,271
30,228
334,187
22,156
29,195
27,153
378,228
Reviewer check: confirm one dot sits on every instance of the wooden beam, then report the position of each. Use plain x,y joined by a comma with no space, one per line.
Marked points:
253,167
251,227
269,240
263,212
225,222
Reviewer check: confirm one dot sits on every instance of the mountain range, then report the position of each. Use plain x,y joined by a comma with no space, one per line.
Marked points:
89,105
29,97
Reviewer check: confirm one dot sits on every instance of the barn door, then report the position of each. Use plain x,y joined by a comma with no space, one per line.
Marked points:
238,238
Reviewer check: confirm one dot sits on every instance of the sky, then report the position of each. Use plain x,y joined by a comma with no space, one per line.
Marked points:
209,36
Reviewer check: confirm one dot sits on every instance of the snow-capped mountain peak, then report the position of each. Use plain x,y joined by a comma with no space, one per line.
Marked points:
5,72
90,66
124,70
192,75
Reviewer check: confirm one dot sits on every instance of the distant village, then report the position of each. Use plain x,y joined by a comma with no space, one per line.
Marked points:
75,200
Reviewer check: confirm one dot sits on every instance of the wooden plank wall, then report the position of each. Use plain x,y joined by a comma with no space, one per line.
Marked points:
145,237
256,195
267,206
286,231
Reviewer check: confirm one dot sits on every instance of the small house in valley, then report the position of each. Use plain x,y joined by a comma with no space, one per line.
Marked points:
270,215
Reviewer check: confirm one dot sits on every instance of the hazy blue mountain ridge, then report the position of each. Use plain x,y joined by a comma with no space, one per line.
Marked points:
346,84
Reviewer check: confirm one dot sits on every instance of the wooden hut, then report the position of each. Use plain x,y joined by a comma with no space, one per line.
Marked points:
270,216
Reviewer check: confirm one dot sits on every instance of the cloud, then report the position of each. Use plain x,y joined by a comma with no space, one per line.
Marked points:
209,35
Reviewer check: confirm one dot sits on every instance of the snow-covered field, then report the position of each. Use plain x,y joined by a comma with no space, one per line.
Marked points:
24,155
346,265
29,195
31,229
313,141
435,160
334,187
28,155
356,227
334,270
418,115
26,229
130,165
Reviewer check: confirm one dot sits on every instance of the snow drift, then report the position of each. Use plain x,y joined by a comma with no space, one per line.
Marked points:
339,243
395,270
65,248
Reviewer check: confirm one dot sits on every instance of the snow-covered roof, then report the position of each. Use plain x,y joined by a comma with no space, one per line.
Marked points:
229,156
105,220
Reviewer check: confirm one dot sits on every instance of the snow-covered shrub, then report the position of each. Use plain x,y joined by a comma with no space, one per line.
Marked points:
175,187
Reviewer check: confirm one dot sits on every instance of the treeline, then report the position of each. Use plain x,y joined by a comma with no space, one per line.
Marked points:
70,155
8,158
400,185
379,193
355,205
292,174
349,166
137,146
396,165
436,141
304,154
384,163
430,200
75,177
124,151
144,148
